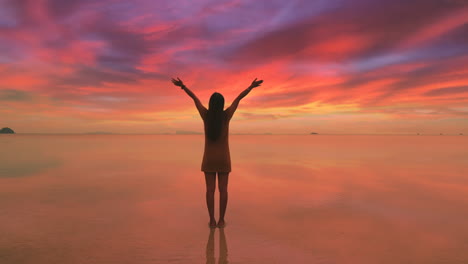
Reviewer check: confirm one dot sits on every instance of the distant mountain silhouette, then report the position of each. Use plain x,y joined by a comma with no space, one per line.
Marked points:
99,133
185,132
7,130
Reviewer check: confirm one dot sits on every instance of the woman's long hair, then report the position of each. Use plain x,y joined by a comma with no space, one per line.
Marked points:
215,116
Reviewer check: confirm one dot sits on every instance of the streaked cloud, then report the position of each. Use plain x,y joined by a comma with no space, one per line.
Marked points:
110,62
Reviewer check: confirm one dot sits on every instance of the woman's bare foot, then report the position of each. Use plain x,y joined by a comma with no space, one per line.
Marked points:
221,223
212,223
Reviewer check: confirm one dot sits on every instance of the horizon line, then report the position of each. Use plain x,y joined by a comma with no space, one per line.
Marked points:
266,133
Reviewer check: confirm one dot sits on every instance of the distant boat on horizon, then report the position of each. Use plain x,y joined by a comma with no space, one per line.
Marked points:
313,133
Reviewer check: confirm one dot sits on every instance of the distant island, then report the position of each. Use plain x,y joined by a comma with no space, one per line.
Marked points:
7,130
184,132
313,133
99,133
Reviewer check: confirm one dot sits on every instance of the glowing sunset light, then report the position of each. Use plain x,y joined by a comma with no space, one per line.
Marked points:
328,66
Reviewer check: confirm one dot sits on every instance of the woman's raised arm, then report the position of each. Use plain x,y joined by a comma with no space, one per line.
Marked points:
201,109
231,109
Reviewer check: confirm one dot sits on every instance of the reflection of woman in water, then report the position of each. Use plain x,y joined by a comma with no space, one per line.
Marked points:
216,157
210,248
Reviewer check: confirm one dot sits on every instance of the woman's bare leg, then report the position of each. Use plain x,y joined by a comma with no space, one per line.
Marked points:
223,195
210,179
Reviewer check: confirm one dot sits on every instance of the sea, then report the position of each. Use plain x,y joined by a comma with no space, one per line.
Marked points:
292,199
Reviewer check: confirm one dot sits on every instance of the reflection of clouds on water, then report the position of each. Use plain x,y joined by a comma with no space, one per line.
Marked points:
141,199
22,156
16,168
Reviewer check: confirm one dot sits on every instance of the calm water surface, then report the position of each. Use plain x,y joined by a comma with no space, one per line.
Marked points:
292,199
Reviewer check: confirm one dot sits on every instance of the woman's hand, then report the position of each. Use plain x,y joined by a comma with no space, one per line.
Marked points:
255,83
178,82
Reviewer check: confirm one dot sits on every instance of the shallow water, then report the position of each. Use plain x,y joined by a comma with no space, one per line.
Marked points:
292,199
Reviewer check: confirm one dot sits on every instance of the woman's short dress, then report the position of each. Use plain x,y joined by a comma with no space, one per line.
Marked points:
216,157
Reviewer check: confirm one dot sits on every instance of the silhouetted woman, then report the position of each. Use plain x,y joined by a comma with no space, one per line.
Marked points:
216,157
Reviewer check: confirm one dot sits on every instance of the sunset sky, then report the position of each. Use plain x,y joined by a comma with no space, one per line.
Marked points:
329,66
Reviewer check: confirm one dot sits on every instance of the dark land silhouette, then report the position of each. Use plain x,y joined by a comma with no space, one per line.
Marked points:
7,130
